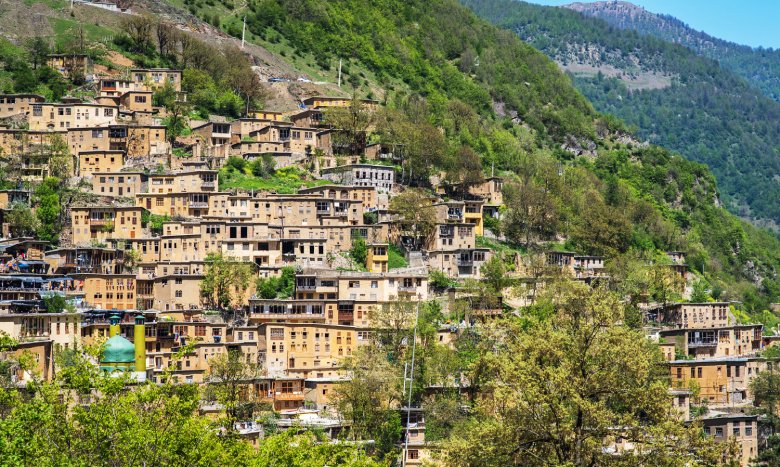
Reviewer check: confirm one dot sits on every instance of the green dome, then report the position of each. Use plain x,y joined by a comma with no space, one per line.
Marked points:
118,350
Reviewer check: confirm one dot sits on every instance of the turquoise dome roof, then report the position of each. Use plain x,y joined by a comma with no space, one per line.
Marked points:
118,350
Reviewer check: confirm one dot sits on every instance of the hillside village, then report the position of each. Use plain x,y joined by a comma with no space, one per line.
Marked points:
287,243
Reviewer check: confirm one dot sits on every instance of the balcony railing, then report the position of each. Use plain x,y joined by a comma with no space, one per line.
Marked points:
199,204
289,396
703,343
101,221
407,288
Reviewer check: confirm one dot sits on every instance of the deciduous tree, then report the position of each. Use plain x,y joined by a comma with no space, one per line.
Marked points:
566,382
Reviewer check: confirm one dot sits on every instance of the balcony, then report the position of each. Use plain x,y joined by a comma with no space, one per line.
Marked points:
407,289
198,204
306,287
101,222
465,261
702,343
208,185
259,316
289,396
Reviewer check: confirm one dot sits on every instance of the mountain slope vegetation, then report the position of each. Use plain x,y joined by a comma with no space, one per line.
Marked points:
759,66
458,88
706,112
498,97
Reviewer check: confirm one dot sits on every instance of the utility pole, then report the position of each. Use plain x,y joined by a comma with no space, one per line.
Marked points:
243,33
411,385
339,73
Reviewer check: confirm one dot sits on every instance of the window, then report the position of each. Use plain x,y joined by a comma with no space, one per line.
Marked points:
719,431
735,431
414,454
749,430
178,294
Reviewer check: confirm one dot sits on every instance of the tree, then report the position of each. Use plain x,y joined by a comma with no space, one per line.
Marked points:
57,304
39,50
60,160
176,120
416,213
601,229
531,214
351,125
282,286
263,167
21,220
49,209
464,170
230,374
766,395
494,272
368,398
393,323
422,144
225,281
555,395
309,449
359,251
139,30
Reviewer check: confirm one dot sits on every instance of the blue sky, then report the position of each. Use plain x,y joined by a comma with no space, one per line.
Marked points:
749,22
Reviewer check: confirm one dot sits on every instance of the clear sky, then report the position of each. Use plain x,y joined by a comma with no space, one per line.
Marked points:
749,22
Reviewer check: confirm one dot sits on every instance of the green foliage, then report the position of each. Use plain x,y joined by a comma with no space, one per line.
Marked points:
439,280
310,451
567,359
421,45
685,116
282,286
21,220
494,272
225,281
154,221
263,167
359,251
396,258
49,202
57,304
285,180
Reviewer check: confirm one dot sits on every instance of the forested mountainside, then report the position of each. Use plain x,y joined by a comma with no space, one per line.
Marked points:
759,66
247,350
502,106
674,97
499,98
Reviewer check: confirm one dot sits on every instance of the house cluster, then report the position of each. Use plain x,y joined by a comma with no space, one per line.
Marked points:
133,251
712,361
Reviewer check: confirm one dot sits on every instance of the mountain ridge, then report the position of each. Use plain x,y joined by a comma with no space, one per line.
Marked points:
702,110
758,65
